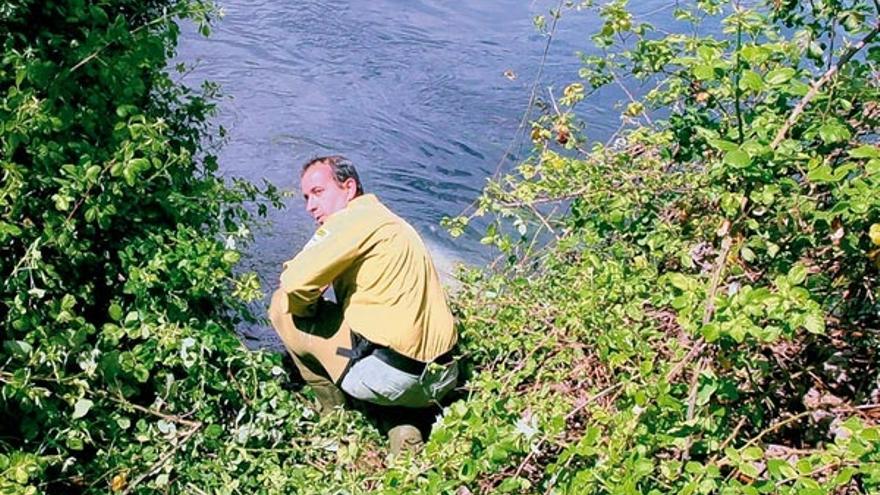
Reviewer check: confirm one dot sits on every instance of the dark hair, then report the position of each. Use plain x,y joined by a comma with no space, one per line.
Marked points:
342,169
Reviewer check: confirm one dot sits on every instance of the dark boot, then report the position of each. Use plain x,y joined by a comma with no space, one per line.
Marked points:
404,438
328,395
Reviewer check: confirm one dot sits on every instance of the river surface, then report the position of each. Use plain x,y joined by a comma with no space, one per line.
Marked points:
425,96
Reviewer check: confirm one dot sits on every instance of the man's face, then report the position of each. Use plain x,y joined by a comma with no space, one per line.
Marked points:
323,195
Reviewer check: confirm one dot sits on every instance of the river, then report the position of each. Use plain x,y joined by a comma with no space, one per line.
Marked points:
425,96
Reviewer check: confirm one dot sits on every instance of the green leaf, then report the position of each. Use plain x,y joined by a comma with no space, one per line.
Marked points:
821,174
214,431
8,229
711,332
705,393
20,474
749,470
115,312
797,274
723,145
737,158
93,172
753,453
62,201
704,72
865,151
139,164
754,54
680,281
81,408
18,348
814,324
751,81
132,317
834,132
781,469
779,76
804,466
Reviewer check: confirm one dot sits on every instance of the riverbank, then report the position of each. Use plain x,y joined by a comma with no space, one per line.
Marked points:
702,318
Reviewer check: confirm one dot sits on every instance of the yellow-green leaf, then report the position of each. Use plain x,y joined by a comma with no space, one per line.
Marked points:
874,234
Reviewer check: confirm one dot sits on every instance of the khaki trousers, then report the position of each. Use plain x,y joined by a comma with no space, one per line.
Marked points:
312,342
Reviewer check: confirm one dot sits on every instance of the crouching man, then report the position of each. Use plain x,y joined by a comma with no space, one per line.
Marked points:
389,340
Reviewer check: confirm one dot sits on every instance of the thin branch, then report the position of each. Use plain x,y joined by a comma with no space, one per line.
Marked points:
692,395
603,393
822,81
533,96
832,38
169,417
720,263
568,416
534,91
774,427
730,437
737,75
544,221
27,254
162,460
629,95
553,101
164,17
697,348
554,199
832,465
522,362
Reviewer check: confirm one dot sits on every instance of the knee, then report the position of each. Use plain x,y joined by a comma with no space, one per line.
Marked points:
278,306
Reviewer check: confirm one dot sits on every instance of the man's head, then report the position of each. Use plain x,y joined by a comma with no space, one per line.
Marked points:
328,183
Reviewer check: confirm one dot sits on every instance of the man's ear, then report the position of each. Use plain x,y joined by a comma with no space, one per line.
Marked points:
350,187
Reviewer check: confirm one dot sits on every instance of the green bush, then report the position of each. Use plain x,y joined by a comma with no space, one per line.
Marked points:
704,318
117,253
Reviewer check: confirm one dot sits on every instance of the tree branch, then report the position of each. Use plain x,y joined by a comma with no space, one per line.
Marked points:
822,81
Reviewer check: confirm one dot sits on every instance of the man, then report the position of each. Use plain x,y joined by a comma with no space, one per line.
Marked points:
389,339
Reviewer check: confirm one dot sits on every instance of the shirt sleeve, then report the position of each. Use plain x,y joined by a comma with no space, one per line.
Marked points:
322,260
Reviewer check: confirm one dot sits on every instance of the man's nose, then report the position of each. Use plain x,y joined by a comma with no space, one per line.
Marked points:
311,205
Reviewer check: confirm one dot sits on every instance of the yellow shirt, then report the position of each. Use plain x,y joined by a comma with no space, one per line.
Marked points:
382,275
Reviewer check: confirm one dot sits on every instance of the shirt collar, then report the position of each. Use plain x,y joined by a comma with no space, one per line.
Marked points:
361,201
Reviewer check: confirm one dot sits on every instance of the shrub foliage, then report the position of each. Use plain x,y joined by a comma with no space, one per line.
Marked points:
690,307
705,317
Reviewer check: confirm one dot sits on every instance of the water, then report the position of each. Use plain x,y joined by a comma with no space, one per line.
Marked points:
414,92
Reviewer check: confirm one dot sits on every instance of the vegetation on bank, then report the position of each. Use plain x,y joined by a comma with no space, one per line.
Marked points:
690,307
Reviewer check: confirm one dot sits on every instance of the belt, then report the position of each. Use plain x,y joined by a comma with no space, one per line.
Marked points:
361,348
407,364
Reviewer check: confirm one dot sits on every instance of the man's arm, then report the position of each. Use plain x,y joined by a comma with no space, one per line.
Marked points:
306,276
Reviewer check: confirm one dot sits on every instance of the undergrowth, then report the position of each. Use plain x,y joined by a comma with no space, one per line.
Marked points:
690,307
